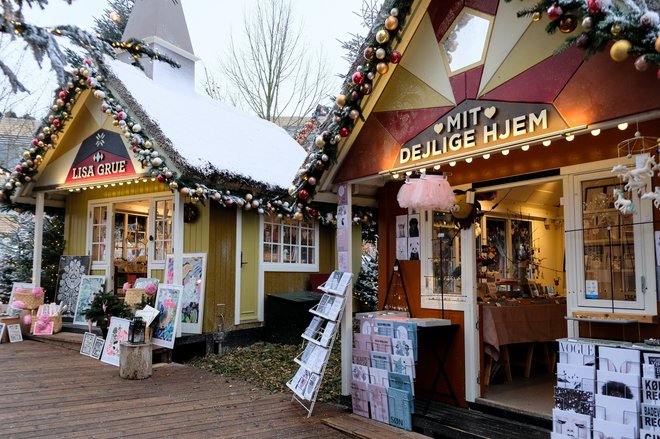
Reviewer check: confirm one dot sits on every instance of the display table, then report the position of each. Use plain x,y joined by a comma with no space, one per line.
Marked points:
287,315
530,323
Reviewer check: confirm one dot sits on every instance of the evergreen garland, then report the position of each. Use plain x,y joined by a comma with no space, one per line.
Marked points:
633,27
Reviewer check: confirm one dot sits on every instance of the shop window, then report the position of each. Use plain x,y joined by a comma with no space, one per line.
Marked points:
288,243
130,237
464,46
99,235
441,267
615,250
163,229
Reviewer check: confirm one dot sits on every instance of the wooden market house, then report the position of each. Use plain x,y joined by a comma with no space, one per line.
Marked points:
538,247
145,168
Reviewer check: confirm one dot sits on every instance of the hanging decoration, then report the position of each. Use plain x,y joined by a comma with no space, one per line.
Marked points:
377,56
311,124
427,192
633,28
636,179
464,213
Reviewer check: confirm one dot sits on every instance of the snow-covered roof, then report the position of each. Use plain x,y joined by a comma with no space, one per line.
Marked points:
211,138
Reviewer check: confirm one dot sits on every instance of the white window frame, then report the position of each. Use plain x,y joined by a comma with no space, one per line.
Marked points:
158,264
645,275
285,266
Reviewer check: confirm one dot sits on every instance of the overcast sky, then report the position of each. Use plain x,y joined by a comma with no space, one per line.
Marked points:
210,23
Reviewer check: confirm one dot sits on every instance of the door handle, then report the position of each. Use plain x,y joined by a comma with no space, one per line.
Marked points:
242,263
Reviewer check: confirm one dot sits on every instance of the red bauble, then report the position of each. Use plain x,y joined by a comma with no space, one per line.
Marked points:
35,142
161,178
395,57
135,149
554,12
18,168
57,123
313,212
358,78
594,6
303,194
63,94
344,132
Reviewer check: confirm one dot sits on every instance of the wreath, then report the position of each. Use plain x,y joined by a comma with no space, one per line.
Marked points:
190,212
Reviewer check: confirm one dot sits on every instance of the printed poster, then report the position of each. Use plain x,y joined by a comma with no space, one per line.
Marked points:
89,286
117,332
168,304
193,280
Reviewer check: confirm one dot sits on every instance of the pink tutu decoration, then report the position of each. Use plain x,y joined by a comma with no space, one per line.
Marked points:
403,197
428,192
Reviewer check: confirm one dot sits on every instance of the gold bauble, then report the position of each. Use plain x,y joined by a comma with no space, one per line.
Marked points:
382,68
619,50
657,44
298,216
391,23
536,16
615,29
341,100
382,36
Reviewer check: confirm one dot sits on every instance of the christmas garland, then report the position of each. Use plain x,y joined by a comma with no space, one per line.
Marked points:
311,124
377,57
634,28
89,77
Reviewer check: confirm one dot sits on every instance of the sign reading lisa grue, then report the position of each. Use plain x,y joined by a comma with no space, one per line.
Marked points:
475,125
101,156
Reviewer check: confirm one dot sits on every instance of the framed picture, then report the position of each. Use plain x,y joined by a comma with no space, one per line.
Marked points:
193,280
88,343
97,349
43,327
168,303
117,332
142,282
2,331
14,332
16,286
70,273
89,286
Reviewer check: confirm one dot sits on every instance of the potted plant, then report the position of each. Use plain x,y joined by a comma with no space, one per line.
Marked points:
104,306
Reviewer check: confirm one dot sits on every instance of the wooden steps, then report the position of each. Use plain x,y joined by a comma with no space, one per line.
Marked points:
363,428
450,422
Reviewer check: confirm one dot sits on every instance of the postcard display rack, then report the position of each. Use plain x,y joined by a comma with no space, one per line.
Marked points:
383,370
607,390
319,338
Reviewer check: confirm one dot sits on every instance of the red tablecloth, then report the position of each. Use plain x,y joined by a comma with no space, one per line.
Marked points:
504,325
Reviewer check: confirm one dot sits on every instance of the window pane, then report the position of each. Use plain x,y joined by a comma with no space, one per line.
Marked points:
609,250
445,247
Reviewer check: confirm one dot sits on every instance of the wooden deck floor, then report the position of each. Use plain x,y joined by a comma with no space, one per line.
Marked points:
46,391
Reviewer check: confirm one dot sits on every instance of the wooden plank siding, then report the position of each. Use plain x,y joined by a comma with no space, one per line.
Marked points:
220,268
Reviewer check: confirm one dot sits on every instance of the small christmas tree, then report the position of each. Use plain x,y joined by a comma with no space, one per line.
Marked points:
366,286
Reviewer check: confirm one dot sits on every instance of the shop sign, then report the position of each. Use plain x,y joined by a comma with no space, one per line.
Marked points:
102,156
475,125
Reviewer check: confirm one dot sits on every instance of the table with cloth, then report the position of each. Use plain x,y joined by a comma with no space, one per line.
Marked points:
521,323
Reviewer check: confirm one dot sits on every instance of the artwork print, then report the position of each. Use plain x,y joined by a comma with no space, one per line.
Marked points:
88,343
89,286
117,332
193,279
70,273
168,303
2,330
97,349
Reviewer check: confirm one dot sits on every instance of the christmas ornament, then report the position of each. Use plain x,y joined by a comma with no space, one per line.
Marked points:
298,216
382,36
536,16
640,64
395,57
343,132
568,23
303,194
354,114
587,23
554,12
583,41
615,29
365,88
382,68
381,53
619,50
368,53
394,12
596,6
391,23
341,100
319,141
649,19
311,181
657,44
358,78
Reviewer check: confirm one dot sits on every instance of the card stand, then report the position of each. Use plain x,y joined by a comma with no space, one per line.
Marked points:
317,354
329,309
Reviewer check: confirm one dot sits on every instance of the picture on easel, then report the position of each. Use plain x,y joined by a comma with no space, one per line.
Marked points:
407,236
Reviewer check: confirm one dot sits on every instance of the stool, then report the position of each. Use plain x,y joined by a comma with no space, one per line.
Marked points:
135,361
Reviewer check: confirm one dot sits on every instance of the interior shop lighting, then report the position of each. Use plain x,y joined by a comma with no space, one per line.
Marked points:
468,160
486,156
622,126
395,176
595,132
408,173
547,142
452,164
525,147
505,152
570,137
436,167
